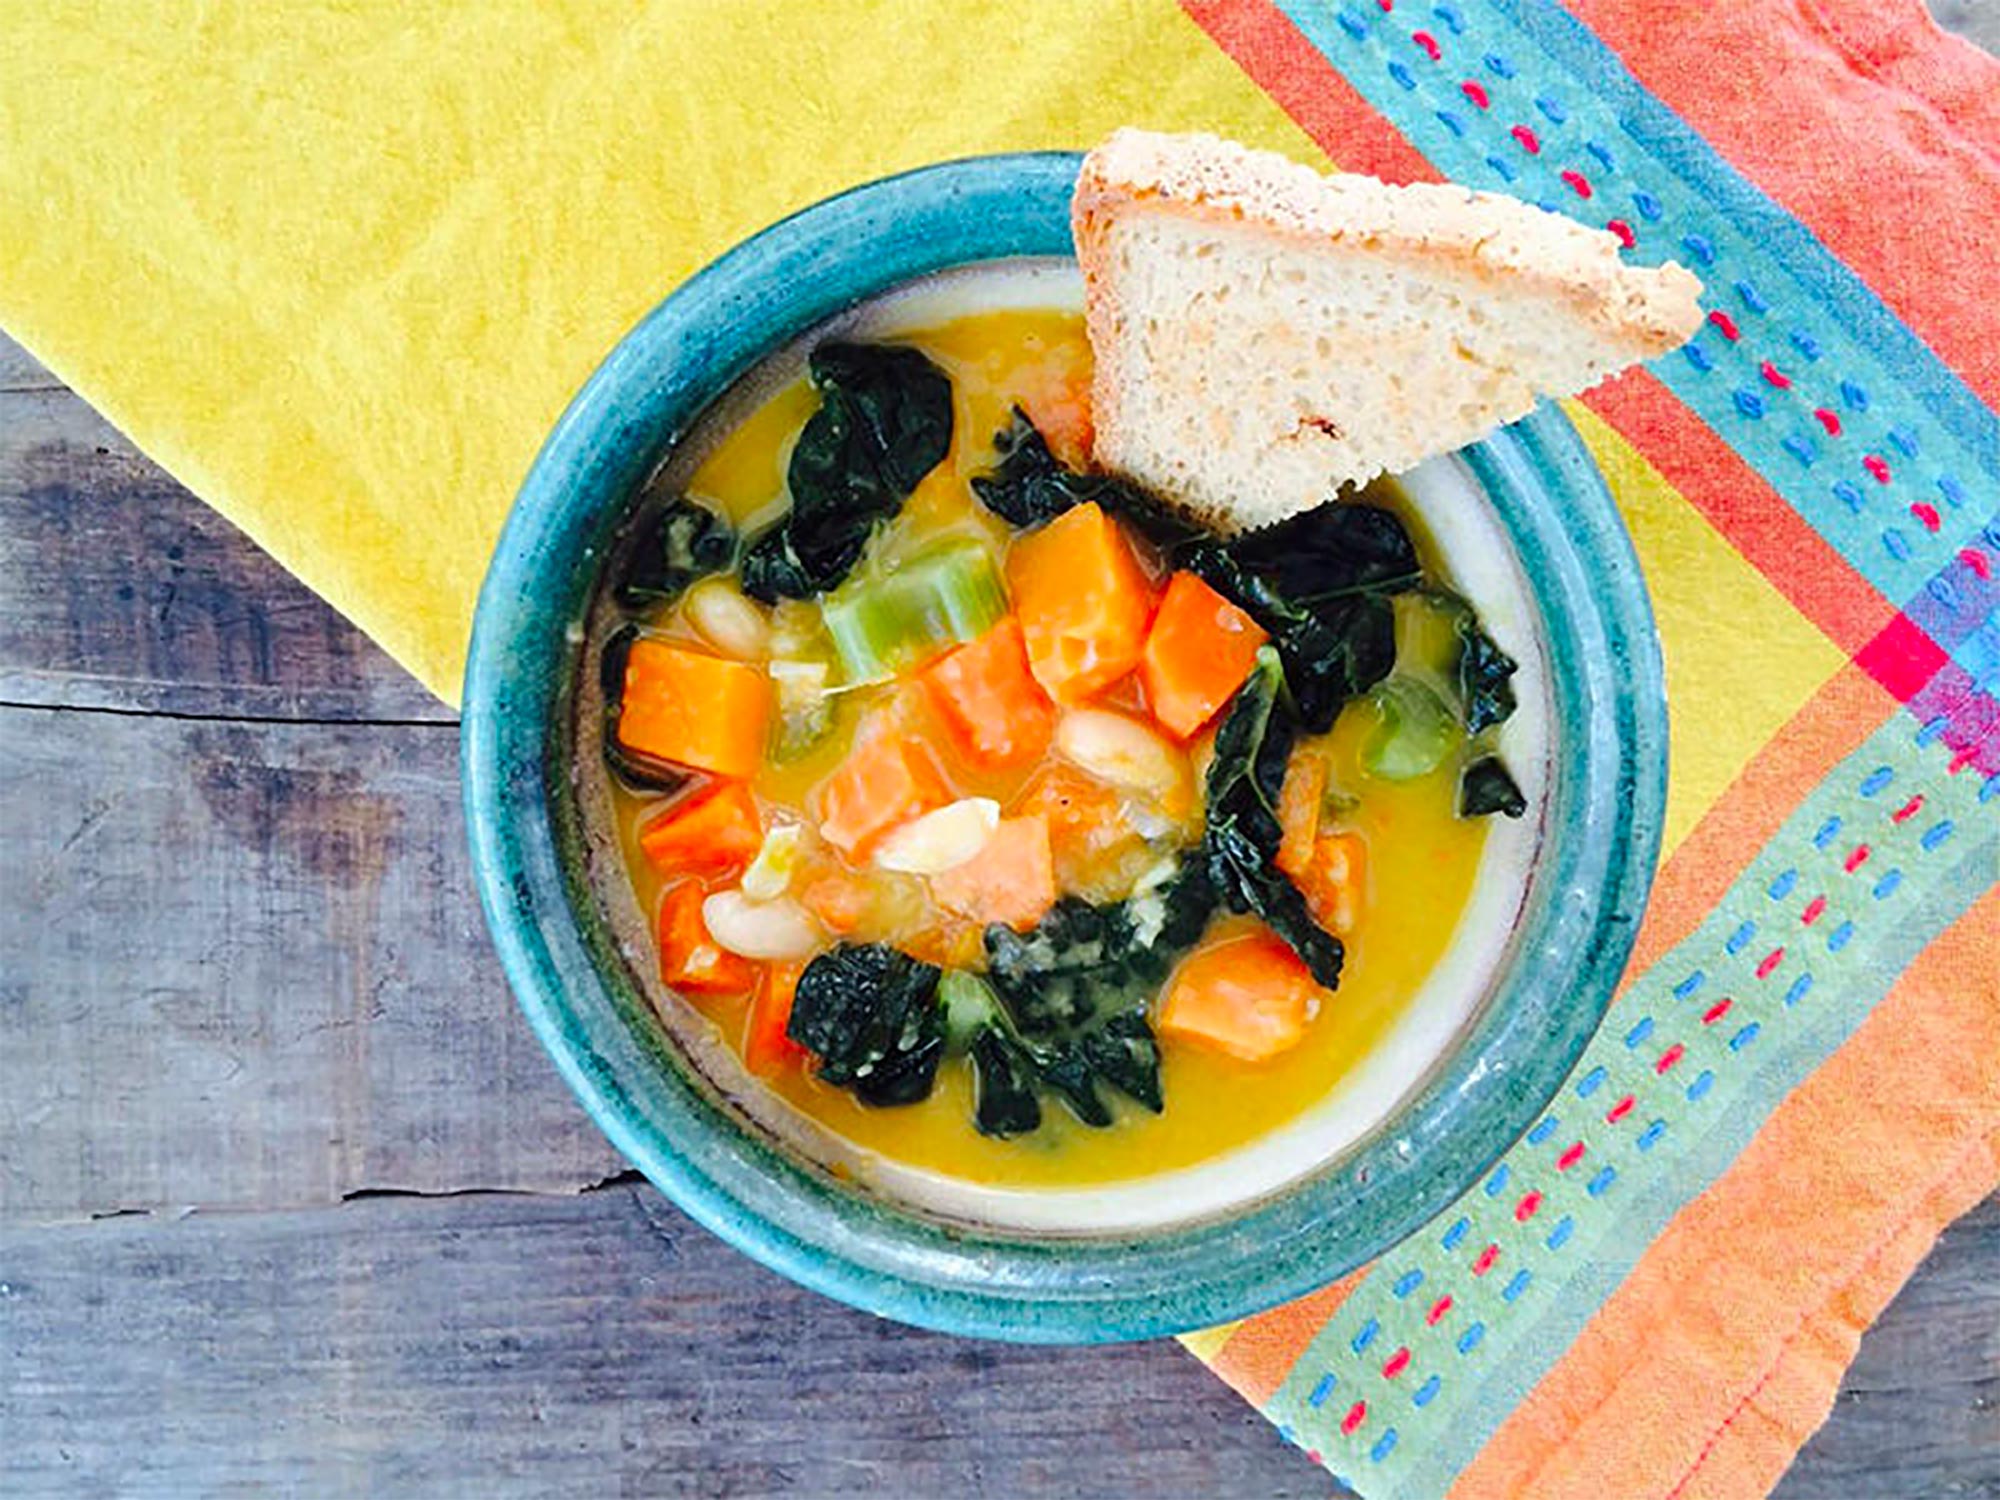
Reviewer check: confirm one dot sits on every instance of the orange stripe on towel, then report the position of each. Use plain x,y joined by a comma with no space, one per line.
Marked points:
1722,1350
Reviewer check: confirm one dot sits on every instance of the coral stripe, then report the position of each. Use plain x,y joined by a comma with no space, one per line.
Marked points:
1264,43
1738,502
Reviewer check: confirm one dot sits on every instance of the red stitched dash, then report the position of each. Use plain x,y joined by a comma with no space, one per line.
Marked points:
1429,43
1856,859
1395,1364
1527,1208
1570,1157
1725,323
1878,466
1775,376
1963,759
1624,232
1770,961
1828,420
1387,5
1356,1415
1485,1262
1472,90
1716,1012
1814,909
1908,810
1974,559
1927,514
1578,183
1618,1111
1527,139
1438,1309
1673,1055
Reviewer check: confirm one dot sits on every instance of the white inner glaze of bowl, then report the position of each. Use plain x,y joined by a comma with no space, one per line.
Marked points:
1482,564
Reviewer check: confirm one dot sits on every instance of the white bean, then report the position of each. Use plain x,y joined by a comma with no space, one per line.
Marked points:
941,840
760,929
1122,752
725,619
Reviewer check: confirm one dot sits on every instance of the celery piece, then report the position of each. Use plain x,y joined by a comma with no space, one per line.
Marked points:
880,625
1414,731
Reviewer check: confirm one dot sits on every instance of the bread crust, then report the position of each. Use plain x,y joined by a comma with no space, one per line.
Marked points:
1515,248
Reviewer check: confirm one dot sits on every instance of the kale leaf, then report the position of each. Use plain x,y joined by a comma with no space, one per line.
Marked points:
1245,781
1075,988
1485,688
1031,485
1486,787
1320,584
640,772
884,422
680,543
870,1014
1004,1100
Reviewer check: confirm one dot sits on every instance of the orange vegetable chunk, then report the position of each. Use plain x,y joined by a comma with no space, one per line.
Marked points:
1197,653
1011,880
886,780
1083,603
997,713
1250,997
685,706
1086,820
1298,811
1336,883
766,1047
715,832
690,960
836,899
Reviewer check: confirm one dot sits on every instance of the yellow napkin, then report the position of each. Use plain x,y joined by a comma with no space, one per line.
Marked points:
340,266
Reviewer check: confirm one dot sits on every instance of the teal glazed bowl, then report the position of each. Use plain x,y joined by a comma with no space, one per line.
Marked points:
1600,805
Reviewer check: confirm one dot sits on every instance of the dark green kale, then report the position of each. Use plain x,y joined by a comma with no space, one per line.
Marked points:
1076,987
640,772
884,422
870,1014
1031,485
1485,672
680,543
1321,585
1485,787
1246,778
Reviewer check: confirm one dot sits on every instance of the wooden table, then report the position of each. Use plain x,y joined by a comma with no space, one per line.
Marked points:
292,1203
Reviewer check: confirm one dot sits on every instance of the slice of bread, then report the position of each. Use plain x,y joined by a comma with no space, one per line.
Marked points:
1264,334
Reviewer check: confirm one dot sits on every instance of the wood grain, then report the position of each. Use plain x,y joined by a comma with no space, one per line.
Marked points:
246,969
117,592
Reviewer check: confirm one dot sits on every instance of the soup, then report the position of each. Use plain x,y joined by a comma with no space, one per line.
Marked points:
1001,826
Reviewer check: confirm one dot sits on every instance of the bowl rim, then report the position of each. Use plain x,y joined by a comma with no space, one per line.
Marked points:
1602,831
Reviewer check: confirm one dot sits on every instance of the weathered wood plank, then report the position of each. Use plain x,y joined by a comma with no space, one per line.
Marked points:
21,371
245,967
516,1346
118,589
555,1346
1975,20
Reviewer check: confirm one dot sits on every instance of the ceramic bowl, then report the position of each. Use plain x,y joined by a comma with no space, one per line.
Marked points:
1599,784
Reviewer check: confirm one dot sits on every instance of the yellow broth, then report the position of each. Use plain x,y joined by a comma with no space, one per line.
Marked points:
1421,857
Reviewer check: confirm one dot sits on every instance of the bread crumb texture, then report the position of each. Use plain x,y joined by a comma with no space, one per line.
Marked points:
1265,335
